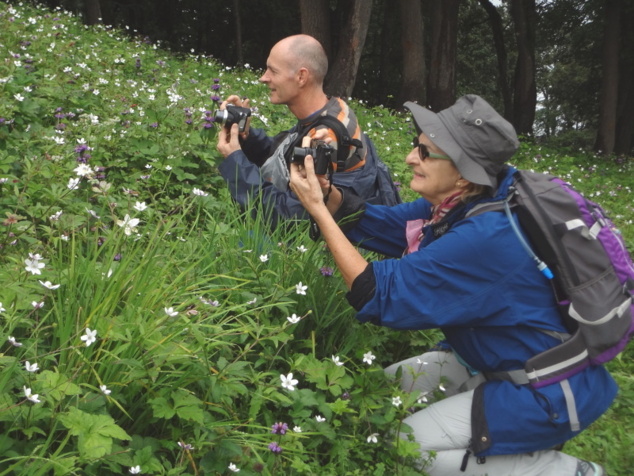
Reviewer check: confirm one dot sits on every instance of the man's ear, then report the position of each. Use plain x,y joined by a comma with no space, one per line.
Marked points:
302,76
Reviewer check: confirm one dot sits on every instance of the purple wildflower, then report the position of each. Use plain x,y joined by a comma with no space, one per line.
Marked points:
275,448
209,120
326,270
279,428
215,98
82,155
215,87
154,124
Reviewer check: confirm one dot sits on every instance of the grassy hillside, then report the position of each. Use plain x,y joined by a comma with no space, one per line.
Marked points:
145,324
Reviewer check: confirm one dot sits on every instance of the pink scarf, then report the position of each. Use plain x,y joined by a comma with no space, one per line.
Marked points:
414,229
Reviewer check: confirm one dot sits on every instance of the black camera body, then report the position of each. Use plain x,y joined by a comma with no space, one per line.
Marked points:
322,153
233,115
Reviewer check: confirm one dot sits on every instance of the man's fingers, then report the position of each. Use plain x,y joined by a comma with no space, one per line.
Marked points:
234,133
322,134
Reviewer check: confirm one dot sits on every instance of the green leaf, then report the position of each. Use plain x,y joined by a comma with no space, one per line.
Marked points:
256,404
64,465
161,408
29,432
341,406
56,385
95,432
307,397
187,406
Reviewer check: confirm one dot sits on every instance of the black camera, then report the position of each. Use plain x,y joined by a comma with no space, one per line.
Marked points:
233,115
322,154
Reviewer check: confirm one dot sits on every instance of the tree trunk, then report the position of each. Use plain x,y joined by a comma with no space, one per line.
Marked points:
625,120
495,19
390,59
610,82
343,73
441,85
93,12
525,97
315,17
413,47
238,20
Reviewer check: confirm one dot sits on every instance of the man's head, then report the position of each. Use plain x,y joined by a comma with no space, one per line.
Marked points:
296,67
477,139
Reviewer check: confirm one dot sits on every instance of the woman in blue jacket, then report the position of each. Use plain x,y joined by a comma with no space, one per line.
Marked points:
470,277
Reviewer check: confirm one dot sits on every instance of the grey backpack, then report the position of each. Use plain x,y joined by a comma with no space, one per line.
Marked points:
579,249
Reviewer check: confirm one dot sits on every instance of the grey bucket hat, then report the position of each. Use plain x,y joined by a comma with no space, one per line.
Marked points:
478,140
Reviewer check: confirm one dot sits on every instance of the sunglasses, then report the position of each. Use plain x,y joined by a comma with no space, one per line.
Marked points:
423,152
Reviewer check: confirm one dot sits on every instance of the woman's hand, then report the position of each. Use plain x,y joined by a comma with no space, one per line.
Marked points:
301,174
307,186
333,196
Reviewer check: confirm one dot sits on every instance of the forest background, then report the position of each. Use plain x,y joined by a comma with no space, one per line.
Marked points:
559,70
148,326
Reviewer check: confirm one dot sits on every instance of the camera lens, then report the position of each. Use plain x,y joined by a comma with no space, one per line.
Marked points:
221,116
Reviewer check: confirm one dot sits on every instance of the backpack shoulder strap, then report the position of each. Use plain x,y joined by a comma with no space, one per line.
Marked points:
344,140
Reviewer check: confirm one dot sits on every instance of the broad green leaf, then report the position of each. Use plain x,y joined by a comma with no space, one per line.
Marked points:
187,406
63,465
56,385
95,432
161,408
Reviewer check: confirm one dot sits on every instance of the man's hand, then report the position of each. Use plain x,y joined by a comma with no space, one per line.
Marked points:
228,141
236,101
240,102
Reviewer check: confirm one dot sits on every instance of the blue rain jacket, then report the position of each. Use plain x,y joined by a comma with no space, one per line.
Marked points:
479,286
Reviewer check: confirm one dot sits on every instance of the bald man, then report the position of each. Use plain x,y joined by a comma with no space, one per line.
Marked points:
295,72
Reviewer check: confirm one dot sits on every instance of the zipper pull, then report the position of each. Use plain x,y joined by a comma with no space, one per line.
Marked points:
465,461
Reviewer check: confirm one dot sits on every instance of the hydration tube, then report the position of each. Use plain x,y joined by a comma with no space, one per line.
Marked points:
543,267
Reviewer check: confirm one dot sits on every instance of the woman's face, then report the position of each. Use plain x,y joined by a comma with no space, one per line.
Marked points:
434,178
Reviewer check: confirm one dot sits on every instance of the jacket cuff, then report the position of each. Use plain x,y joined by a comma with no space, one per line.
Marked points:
363,288
350,211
